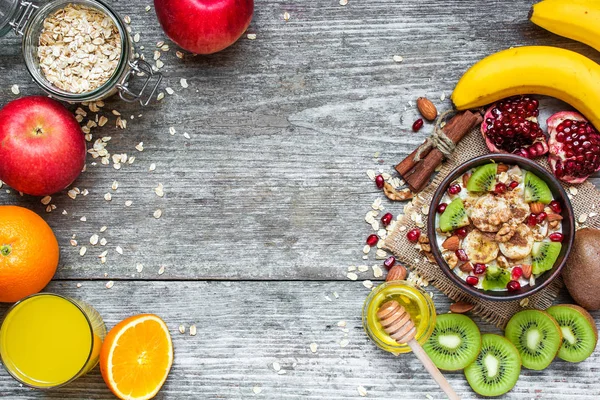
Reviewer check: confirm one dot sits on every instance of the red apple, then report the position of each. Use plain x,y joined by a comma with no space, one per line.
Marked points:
204,26
42,146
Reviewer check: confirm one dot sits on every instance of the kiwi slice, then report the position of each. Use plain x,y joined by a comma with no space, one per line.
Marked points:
536,189
579,332
454,343
536,335
454,217
496,369
495,278
483,179
544,255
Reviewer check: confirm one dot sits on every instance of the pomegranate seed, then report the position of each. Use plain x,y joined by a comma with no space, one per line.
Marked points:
513,185
516,273
441,207
479,269
418,124
379,181
454,189
472,280
541,217
389,262
372,240
413,235
500,188
462,255
387,219
460,232
555,206
556,237
532,220
513,286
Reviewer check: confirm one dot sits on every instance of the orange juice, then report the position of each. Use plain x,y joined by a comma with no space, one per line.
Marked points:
48,340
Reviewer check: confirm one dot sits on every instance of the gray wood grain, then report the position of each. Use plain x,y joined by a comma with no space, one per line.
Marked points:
271,186
272,182
243,327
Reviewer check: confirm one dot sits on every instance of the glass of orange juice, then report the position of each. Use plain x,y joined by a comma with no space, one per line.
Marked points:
48,340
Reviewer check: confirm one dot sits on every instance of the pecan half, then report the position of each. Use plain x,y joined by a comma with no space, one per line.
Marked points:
505,233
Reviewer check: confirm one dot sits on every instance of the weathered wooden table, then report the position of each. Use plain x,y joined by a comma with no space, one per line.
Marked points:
265,197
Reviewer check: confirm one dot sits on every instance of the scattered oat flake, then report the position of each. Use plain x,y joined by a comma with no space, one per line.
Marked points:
179,54
15,89
193,330
140,146
276,366
127,19
78,285
119,249
582,218
94,239
573,190
128,203
169,90
186,135
115,185
182,329
377,271
103,242
363,268
108,197
160,96
341,324
159,190
103,229
109,284
148,8
157,214
136,37
83,219
183,82
139,267
256,389
352,276
73,242
361,391
161,270
368,284
336,295
343,2
251,36
46,200
172,130
344,343
398,59
313,347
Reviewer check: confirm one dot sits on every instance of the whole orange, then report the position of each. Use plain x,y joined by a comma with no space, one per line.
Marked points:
28,253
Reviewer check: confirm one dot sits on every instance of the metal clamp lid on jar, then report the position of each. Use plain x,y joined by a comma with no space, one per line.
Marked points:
17,16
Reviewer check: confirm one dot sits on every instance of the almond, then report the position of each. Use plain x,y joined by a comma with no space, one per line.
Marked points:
466,267
501,168
452,243
526,271
536,207
554,217
461,307
465,179
427,108
397,273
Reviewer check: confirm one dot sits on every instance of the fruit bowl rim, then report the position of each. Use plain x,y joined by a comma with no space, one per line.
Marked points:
568,226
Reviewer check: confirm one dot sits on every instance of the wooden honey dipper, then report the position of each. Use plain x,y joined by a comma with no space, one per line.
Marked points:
397,323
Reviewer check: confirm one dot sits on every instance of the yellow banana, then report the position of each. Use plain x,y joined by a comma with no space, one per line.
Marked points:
576,19
550,71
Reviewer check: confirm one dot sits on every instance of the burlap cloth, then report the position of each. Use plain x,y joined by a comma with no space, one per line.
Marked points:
586,200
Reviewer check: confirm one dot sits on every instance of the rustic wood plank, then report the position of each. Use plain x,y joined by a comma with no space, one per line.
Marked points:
282,130
243,327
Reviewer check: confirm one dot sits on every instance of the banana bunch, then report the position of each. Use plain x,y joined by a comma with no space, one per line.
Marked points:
566,75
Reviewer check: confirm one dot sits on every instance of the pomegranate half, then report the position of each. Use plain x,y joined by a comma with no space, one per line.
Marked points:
574,147
511,126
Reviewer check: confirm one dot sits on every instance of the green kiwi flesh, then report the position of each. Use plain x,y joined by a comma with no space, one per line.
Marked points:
544,255
536,335
495,278
497,367
536,189
454,343
579,332
483,179
454,217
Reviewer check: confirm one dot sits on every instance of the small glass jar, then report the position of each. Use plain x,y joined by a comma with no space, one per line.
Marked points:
27,19
416,302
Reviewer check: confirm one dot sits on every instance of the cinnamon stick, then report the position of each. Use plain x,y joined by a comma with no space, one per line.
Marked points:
409,163
418,176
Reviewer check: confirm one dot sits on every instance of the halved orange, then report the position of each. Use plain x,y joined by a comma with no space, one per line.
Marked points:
136,357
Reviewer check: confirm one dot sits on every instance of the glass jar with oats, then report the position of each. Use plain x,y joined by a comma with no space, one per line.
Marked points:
79,50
